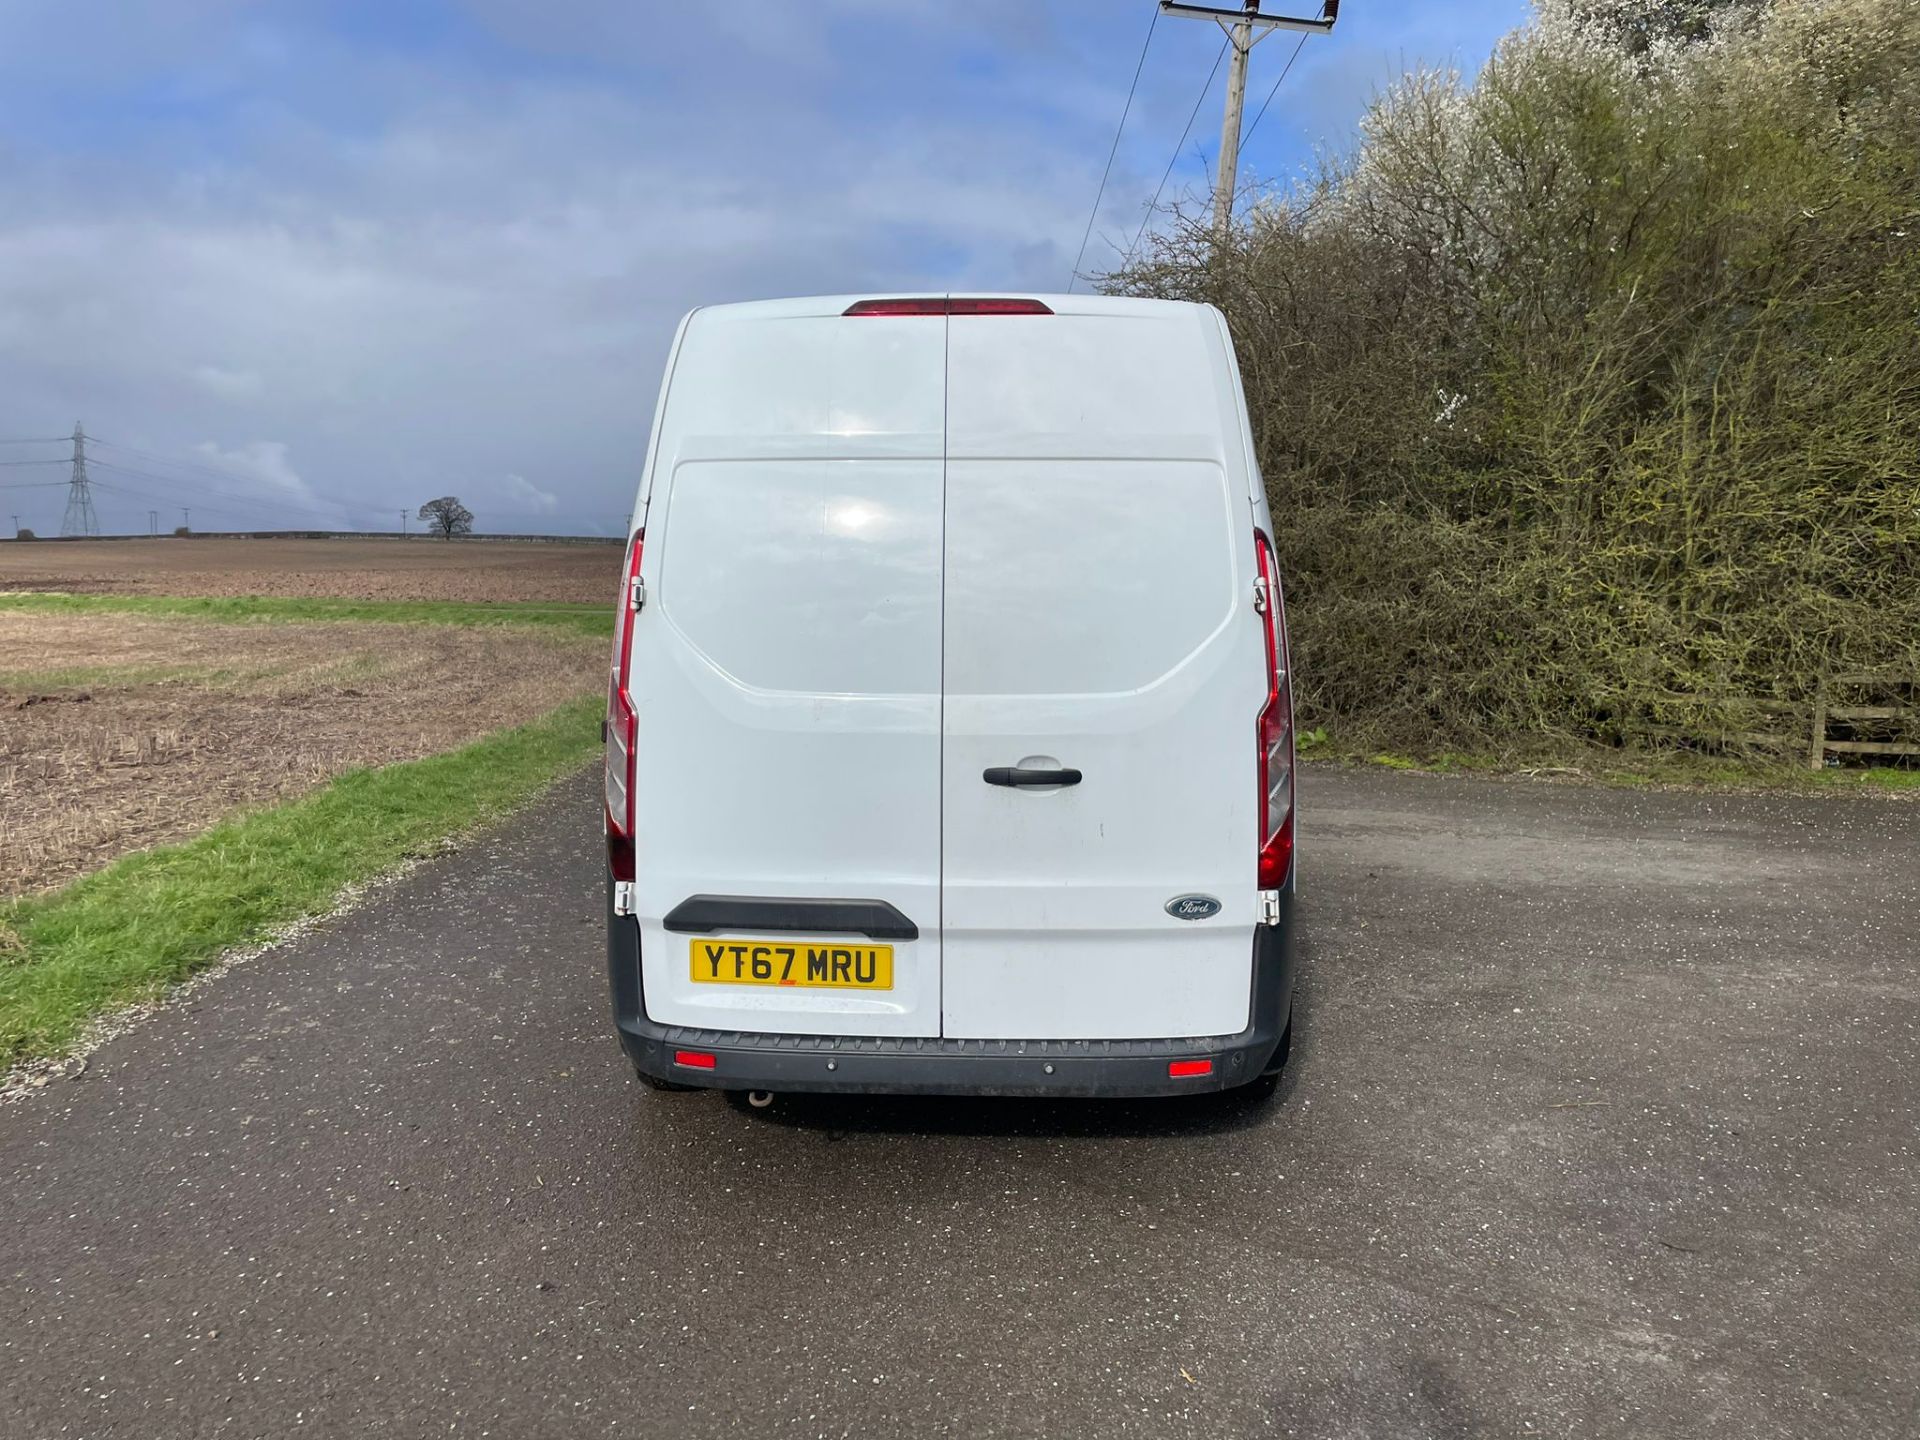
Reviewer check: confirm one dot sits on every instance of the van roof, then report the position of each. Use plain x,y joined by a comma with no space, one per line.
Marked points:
1102,376
818,306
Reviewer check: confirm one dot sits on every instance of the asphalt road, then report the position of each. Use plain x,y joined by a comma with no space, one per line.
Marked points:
1601,1122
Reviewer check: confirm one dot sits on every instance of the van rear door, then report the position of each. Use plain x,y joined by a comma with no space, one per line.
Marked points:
786,676
1099,575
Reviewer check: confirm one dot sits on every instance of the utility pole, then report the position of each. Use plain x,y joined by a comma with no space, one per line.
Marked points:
1242,37
153,522
186,518
1228,170
79,519
403,524
16,527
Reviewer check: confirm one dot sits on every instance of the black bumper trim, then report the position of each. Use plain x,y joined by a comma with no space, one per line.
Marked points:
875,919
891,1065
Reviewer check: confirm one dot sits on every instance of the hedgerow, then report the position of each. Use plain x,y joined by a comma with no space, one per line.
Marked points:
1587,393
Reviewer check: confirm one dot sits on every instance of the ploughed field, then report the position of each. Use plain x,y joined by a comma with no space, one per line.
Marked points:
355,568
120,731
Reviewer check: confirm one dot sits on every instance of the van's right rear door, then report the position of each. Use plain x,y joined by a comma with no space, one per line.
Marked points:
1098,616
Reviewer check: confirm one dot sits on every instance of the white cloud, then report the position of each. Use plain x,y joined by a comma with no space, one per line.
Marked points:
530,496
264,463
227,384
255,480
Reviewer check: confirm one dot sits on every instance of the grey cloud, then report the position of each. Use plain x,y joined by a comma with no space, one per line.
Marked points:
390,276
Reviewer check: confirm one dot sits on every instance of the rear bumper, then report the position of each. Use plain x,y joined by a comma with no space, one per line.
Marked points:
885,1065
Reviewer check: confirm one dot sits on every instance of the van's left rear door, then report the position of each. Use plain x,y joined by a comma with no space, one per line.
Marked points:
786,674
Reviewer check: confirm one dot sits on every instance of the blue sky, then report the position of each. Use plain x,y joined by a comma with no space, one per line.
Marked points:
335,257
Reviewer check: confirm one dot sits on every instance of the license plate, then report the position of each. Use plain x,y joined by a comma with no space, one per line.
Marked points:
804,963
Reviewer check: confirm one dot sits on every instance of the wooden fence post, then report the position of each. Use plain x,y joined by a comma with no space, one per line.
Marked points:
1817,751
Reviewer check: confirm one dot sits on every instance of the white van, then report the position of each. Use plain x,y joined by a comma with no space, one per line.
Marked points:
949,735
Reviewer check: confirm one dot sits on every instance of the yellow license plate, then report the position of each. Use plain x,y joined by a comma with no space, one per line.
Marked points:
809,964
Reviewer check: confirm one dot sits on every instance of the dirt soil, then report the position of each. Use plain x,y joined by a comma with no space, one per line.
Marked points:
350,569
147,730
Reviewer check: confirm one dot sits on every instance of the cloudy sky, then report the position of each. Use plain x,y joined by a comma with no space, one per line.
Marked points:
310,262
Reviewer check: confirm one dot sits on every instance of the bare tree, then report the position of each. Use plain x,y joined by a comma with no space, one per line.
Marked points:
447,517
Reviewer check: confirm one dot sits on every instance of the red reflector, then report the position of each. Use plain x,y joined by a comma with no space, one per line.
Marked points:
948,305
693,1059
619,730
926,305
1181,1068
996,306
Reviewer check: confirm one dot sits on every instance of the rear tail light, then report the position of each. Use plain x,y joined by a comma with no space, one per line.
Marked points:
622,722
1276,726
1182,1069
949,305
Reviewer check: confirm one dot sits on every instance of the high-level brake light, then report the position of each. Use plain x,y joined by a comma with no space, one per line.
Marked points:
622,720
1276,725
949,305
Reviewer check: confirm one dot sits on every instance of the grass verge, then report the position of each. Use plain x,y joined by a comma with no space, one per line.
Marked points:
580,619
1633,770
125,933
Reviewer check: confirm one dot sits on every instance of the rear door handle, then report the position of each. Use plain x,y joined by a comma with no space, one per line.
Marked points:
1014,775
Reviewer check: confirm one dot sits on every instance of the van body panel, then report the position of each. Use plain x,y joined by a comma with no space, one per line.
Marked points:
1098,578
786,671
885,555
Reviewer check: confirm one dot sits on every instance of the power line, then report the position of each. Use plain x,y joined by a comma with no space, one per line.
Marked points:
47,440
196,487
218,472
269,510
177,489
241,506
266,504
172,501
190,465
238,512
201,487
1276,88
1074,277
1154,203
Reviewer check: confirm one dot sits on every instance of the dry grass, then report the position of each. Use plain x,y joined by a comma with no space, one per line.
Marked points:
120,731
348,569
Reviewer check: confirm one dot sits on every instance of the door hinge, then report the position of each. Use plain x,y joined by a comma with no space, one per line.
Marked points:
1269,907
637,595
623,897
1260,600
